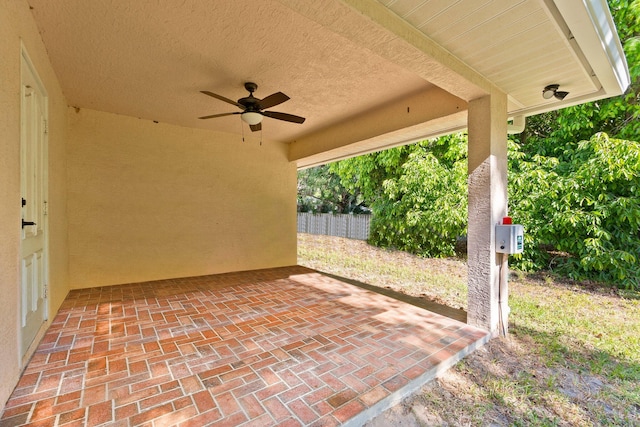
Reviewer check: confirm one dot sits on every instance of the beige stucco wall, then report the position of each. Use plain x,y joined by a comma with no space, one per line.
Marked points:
16,24
146,200
152,201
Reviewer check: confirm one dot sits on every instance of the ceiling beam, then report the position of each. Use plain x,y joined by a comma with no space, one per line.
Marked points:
383,127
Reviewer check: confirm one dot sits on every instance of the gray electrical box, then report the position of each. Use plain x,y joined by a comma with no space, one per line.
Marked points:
509,239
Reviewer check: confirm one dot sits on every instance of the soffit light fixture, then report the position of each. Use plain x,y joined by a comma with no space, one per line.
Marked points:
251,117
551,91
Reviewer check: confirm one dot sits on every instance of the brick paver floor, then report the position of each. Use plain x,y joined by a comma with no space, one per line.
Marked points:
286,346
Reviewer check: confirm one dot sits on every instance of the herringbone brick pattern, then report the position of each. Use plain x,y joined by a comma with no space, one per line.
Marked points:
284,346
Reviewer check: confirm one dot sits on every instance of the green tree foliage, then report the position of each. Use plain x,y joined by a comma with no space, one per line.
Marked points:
321,191
417,194
575,189
583,215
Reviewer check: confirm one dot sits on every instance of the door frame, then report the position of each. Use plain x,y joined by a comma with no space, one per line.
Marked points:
27,66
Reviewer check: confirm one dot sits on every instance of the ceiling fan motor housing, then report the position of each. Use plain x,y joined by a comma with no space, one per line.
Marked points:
250,103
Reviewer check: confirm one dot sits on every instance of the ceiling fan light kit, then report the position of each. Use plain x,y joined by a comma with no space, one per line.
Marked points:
251,118
253,108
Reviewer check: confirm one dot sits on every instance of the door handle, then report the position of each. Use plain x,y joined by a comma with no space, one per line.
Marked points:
27,223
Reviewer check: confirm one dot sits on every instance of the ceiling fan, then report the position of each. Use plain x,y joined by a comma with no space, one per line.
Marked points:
252,107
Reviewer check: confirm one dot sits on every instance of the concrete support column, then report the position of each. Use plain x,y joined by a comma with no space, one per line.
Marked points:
487,195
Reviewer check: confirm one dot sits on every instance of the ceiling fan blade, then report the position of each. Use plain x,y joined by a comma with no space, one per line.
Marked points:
284,116
213,116
221,98
256,128
273,100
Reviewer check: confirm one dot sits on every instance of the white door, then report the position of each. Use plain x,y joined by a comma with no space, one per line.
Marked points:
33,188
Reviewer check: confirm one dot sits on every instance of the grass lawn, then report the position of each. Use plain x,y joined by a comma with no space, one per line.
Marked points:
572,357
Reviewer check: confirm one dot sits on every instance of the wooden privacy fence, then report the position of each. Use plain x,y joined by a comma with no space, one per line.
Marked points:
340,225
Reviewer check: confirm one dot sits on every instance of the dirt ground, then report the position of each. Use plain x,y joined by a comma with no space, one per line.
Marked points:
471,394
462,396
517,380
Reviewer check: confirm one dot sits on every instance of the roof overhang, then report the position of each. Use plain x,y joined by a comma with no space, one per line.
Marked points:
594,31
366,74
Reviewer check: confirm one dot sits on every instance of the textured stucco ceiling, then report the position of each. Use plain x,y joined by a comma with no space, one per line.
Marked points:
150,59
340,61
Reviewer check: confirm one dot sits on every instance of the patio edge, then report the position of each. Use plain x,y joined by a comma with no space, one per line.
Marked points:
415,385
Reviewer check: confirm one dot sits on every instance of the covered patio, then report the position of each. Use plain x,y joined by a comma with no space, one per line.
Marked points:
115,176
285,346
